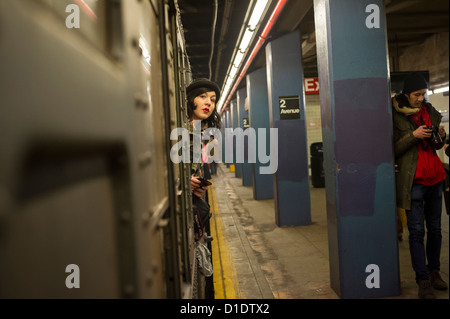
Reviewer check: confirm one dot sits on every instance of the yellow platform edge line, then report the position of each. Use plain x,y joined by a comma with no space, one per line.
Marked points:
226,285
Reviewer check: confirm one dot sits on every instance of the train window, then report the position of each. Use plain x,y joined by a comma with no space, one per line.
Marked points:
99,21
114,25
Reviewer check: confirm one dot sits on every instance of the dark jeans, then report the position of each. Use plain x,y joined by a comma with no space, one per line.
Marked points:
426,209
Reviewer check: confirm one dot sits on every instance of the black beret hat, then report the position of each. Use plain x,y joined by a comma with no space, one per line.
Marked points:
414,82
204,83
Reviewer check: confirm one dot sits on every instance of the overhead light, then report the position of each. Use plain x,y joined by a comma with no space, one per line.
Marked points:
238,59
441,90
257,14
223,96
233,72
429,92
229,82
248,35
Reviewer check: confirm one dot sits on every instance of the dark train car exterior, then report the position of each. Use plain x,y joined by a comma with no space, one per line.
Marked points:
91,205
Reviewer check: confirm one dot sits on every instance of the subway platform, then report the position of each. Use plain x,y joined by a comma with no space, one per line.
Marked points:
253,258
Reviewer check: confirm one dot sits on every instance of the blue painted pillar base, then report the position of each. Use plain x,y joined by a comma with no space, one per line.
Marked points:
247,179
287,110
235,124
222,131
259,118
246,167
229,124
358,152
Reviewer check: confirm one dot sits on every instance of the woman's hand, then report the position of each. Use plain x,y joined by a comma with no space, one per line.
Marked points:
422,132
196,189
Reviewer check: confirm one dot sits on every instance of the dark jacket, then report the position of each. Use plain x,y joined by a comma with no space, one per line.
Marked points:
407,151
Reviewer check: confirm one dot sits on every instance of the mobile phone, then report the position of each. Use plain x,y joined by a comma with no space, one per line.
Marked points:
204,182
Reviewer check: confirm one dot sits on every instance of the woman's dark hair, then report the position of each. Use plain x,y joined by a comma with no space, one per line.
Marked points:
214,120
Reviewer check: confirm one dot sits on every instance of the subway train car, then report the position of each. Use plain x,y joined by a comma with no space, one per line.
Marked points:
91,205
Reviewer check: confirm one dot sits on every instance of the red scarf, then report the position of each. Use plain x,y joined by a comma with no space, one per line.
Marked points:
430,170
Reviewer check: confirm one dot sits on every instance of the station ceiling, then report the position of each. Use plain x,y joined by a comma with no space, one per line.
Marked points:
409,22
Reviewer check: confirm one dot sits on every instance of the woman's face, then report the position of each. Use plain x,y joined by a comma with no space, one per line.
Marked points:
205,104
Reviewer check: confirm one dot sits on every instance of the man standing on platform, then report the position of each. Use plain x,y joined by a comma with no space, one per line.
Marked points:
419,179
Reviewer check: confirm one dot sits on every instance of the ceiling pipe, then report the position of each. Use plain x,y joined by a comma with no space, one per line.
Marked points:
262,38
223,32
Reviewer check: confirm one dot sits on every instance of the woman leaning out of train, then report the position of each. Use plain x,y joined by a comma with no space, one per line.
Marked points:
202,96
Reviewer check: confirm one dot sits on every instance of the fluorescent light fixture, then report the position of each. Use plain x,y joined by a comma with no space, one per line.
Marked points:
250,27
238,59
257,13
225,92
222,100
233,72
441,90
245,42
429,92
229,83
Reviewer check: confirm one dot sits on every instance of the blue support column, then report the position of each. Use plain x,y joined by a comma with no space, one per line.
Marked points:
235,125
222,131
259,118
229,125
287,109
244,124
358,151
